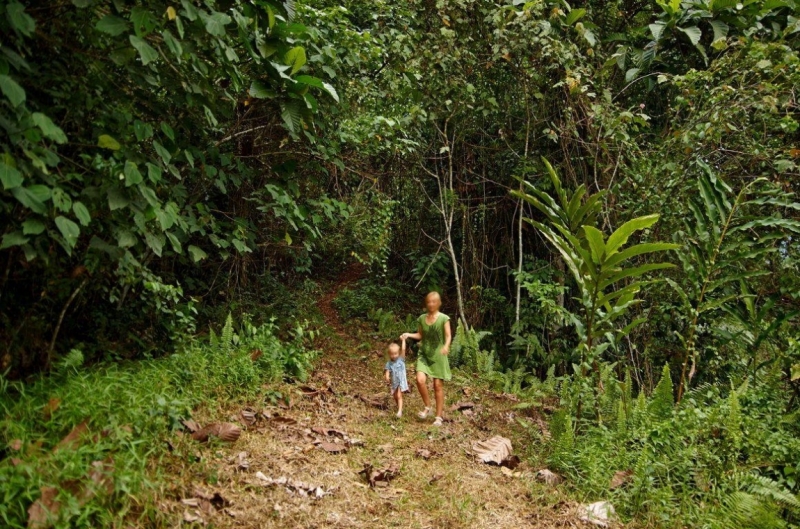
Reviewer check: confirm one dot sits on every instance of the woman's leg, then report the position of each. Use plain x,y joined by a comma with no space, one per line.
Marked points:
423,388
438,391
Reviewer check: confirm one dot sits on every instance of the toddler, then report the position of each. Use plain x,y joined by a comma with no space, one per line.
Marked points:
395,373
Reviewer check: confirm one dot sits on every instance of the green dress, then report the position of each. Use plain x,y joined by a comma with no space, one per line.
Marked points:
430,359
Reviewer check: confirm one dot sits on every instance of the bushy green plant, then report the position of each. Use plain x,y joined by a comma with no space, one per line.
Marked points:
663,400
607,285
465,346
709,450
129,410
367,296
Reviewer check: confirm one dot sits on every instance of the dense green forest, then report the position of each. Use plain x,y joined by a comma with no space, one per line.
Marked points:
603,191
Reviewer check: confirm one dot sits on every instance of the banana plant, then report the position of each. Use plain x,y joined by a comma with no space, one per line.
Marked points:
607,282
726,238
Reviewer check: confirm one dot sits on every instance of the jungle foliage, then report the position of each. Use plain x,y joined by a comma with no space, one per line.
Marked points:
605,192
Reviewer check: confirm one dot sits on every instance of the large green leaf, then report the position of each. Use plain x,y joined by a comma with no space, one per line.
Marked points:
296,58
215,23
82,213
14,238
20,20
596,243
633,272
33,227
69,230
146,52
318,83
48,128
117,199
10,177
112,25
197,253
639,249
32,197
12,90
259,90
621,235
693,33
574,15
107,142
155,242
132,174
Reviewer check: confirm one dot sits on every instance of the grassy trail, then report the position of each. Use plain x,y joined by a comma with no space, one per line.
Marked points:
450,489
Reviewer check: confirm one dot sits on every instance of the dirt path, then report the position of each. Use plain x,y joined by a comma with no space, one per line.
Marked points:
450,489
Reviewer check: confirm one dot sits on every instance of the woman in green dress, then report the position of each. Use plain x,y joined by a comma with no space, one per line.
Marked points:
434,333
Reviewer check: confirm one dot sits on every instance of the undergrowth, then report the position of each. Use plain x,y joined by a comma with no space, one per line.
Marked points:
128,410
714,461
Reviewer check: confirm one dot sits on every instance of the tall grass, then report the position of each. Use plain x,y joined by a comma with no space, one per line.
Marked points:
129,411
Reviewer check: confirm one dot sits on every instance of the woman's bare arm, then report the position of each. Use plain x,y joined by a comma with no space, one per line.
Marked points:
416,336
448,337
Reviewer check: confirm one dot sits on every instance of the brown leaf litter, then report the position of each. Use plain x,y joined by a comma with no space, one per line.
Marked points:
380,400
382,477
494,450
548,477
45,511
224,431
301,488
620,478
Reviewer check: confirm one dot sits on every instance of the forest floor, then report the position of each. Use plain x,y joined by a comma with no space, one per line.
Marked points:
324,436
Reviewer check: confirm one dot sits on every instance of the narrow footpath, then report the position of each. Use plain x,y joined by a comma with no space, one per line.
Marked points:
301,464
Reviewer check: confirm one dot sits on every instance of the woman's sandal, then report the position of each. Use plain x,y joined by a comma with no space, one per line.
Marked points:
424,413
438,421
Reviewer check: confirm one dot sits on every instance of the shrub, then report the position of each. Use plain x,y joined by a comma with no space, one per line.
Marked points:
127,409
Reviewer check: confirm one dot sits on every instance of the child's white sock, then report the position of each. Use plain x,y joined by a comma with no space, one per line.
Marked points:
438,421
424,413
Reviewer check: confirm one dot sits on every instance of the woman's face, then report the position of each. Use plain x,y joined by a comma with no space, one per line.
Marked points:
433,302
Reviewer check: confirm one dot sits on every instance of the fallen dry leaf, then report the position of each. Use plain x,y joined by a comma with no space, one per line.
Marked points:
71,439
620,478
215,499
51,406
462,406
380,400
248,416
599,513
435,478
241,461
546,476
423,453
190,425
255,354
382,477
333,448
44,512
225,431
101,476
301,488
279,420
494,450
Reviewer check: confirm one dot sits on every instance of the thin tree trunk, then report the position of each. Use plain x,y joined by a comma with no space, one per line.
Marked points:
521,213
72,297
